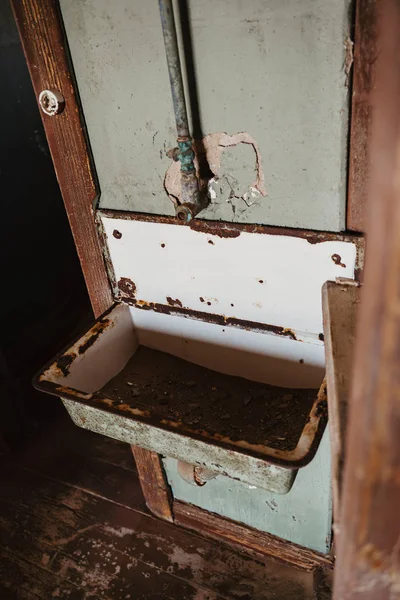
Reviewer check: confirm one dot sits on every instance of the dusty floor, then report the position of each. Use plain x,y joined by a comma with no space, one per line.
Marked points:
73,525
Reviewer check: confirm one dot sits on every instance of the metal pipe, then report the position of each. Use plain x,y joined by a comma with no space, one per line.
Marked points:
191,202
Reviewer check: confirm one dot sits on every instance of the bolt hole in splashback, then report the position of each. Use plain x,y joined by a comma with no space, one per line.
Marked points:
268,101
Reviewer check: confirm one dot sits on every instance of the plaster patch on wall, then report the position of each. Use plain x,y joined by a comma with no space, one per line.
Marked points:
218,183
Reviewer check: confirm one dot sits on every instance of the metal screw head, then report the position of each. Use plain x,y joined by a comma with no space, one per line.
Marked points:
51,102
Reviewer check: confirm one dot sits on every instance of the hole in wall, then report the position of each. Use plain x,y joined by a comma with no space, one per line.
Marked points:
234,179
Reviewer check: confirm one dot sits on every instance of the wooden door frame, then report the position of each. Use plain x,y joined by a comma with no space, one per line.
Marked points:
46,51
43,42
362,98
368,549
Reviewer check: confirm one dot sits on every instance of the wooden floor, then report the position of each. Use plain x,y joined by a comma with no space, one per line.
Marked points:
73,525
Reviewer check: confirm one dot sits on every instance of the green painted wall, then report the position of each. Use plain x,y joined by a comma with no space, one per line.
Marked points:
271,68
302,516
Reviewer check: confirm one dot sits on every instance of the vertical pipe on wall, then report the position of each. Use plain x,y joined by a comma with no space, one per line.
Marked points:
174,68
191,202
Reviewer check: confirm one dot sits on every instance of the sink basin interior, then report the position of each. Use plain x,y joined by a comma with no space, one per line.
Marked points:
247,390
195,398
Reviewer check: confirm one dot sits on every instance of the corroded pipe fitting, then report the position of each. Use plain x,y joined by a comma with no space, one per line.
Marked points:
195,475
191,202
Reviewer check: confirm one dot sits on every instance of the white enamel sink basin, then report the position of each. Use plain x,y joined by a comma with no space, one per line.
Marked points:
81,370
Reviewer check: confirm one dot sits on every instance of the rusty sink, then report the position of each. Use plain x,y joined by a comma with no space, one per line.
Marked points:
112,385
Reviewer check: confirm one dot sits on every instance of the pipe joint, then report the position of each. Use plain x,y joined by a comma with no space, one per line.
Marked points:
184,153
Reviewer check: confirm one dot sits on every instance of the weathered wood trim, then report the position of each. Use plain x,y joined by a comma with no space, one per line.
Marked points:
46,51
42,36
368,550
153,482
256,543
340,303
366,48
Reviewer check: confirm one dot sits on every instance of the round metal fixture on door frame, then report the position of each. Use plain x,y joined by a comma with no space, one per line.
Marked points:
51,102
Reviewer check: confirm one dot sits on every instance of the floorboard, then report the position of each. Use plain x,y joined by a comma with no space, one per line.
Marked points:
73,524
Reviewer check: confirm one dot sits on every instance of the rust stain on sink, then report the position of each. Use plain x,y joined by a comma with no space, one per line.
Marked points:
64,362
127,288
95,332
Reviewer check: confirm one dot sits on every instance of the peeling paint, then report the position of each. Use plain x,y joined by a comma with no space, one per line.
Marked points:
221,187
251,196
127,287
349,58
174,302
64,363
173,308
95,332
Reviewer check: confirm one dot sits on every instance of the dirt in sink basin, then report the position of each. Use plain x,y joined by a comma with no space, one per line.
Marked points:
173,389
